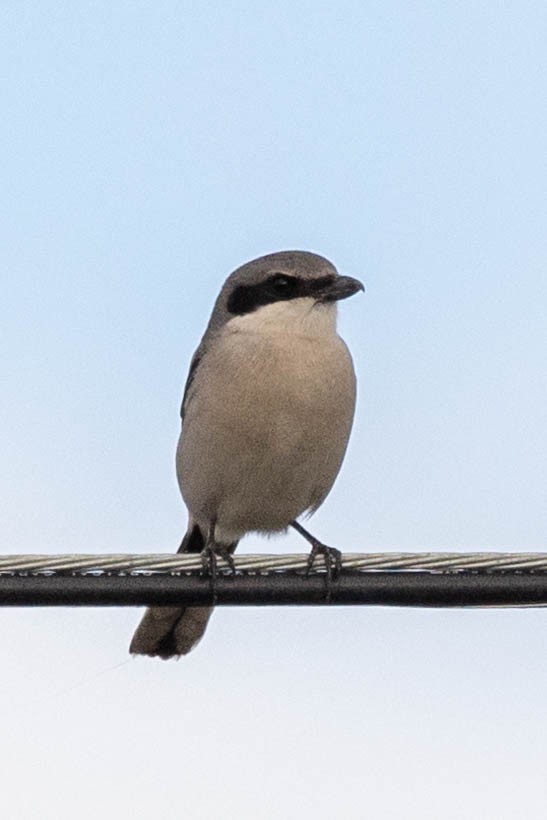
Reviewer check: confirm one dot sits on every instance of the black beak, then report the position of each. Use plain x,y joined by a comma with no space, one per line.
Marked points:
341,288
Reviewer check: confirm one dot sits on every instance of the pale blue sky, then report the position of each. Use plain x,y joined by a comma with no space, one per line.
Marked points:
150,148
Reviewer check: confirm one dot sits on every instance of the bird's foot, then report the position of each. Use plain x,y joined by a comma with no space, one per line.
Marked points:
209,564
331,556
209,559
333,564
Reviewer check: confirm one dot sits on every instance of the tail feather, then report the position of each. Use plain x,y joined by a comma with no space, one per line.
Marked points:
170,631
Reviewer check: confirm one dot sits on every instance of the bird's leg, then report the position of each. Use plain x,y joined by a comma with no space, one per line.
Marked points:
331,556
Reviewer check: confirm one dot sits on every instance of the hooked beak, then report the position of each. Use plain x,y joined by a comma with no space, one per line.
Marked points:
341,288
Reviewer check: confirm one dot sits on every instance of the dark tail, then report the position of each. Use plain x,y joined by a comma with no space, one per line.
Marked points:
169,631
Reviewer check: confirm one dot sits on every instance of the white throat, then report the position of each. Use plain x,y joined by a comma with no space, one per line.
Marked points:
303,317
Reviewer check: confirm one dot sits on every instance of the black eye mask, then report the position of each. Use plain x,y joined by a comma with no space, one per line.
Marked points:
279,287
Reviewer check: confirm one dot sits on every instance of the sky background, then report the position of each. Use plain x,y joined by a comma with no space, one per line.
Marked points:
148,149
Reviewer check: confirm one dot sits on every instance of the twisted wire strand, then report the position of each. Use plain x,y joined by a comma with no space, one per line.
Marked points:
122,564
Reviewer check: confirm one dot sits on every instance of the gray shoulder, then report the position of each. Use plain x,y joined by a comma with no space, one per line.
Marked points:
197,359
218,319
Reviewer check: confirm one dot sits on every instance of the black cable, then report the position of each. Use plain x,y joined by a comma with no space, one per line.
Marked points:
416,589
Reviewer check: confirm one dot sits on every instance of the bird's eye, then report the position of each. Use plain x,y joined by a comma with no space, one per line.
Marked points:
282,284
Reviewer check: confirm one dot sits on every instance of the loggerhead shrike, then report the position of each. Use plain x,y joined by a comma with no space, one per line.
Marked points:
266,416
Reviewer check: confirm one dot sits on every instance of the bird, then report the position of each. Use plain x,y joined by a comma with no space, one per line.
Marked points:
267,412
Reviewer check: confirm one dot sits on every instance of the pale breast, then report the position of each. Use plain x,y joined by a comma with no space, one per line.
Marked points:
266,428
